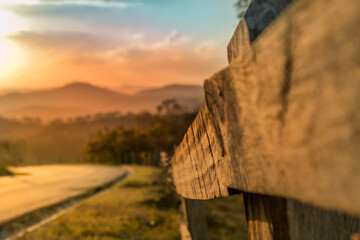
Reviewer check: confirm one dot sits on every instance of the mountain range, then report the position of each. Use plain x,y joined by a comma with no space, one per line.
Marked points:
79,99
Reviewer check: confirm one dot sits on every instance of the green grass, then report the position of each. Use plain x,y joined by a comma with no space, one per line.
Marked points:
226,218
129,210
20,173
142,207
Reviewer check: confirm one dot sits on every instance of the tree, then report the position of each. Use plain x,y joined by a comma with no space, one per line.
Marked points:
242,6
11,153
170,107
156,133
118,146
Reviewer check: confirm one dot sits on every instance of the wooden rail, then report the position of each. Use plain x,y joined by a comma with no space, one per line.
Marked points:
281,124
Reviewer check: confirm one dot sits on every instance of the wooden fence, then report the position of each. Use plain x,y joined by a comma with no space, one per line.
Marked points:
281,124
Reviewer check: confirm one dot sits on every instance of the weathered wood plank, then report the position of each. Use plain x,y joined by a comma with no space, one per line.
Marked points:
239,47
285,122
266,217
308,222
200,147
274,218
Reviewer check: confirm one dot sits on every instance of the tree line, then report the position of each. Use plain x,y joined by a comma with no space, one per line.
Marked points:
110,138
153,134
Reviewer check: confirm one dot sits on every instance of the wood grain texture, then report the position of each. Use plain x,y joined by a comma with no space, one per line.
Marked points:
308,222
196,164
266,217
274,218
286,121
239,47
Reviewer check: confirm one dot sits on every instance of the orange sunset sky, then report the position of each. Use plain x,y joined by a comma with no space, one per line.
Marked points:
120,44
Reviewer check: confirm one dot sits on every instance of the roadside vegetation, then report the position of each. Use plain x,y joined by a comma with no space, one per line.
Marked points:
226,218
142,207
4,171
10,154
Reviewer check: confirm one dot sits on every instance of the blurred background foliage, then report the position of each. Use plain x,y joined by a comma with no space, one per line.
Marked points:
110,138
242,5
142,144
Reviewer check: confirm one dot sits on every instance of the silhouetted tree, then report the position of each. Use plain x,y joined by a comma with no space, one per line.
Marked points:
155,133
170,107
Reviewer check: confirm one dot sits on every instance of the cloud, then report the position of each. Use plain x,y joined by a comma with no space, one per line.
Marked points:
206,49
175,48
174,55
98,3
172,58
140,48
174,38
55,41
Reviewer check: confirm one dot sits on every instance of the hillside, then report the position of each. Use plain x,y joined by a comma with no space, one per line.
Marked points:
81,98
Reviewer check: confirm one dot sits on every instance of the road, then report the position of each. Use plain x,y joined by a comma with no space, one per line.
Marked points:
47,185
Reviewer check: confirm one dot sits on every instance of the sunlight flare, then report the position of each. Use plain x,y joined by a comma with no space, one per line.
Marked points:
10,57
10,23
10,54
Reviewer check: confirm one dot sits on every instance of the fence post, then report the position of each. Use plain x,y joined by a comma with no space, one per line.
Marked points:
266,217
193,224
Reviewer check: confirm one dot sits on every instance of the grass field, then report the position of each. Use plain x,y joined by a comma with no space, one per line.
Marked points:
226,218
139,208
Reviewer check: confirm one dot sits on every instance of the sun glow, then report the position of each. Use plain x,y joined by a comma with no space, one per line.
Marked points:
10,54
18,2
10,23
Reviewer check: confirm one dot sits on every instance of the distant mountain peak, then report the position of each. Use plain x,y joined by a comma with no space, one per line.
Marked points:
80,98
86,87
79,85
173,88
178,85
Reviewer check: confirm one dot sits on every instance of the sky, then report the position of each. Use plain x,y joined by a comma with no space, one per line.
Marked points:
120,44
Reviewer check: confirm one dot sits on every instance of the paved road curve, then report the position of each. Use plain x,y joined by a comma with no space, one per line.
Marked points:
47,185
